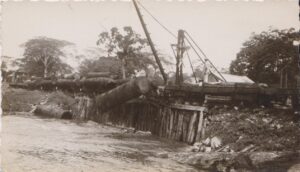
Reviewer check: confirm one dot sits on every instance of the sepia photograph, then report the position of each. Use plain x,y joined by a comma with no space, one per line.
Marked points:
150,86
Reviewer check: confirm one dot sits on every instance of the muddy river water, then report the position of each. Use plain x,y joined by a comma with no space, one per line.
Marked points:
33,144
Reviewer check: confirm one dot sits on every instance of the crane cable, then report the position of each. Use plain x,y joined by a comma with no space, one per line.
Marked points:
164,27
157,20
205,56
194,74
195,51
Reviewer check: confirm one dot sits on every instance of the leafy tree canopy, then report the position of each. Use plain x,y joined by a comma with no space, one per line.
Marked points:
113,65
127,46
42,56
266,55
103,64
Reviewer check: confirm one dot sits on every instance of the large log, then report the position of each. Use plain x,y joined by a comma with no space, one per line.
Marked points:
98,74
91,84
123,93
52,111
99,81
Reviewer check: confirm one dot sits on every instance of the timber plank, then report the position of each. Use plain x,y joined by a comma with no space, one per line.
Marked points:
179,126
175,125
167,125
200,124
191,129
171,113
186,118
187,107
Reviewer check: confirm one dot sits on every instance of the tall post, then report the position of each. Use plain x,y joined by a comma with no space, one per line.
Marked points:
150,42
286,79
281,79
179,57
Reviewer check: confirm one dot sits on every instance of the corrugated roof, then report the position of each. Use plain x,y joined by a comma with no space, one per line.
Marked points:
237,78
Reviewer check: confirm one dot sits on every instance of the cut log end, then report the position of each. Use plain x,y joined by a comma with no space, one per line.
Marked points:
52,111
66,115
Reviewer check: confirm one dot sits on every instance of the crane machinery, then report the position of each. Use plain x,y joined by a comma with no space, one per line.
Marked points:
224,92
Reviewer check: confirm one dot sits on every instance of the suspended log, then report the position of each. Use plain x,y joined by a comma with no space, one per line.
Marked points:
52,111
123,93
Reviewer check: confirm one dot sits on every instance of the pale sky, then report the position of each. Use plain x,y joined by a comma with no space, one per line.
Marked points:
219,28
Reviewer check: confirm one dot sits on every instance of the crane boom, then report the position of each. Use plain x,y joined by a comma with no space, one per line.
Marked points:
150,42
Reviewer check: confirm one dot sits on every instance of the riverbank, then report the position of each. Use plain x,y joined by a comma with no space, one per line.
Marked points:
257,139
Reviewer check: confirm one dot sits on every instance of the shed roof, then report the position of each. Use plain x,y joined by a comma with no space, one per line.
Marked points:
237,79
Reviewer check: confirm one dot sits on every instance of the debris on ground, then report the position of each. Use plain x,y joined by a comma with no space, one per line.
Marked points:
258,139
248,130
207,145
238,161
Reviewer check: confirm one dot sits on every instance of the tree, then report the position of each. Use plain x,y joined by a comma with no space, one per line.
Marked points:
126,46
266,56
42,56
102,64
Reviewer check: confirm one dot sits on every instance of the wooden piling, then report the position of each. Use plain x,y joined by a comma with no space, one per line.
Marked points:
186,118
179,127
192,126
200,124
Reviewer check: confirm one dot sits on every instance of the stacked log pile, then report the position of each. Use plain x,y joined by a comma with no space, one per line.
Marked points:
100,74
92,84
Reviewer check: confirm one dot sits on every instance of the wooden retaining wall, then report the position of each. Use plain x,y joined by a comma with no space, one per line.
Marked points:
177,122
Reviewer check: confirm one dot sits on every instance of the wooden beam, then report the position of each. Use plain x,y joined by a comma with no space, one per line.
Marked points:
188,107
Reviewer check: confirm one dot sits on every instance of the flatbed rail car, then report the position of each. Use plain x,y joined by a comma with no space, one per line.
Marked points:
229,93
86,85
